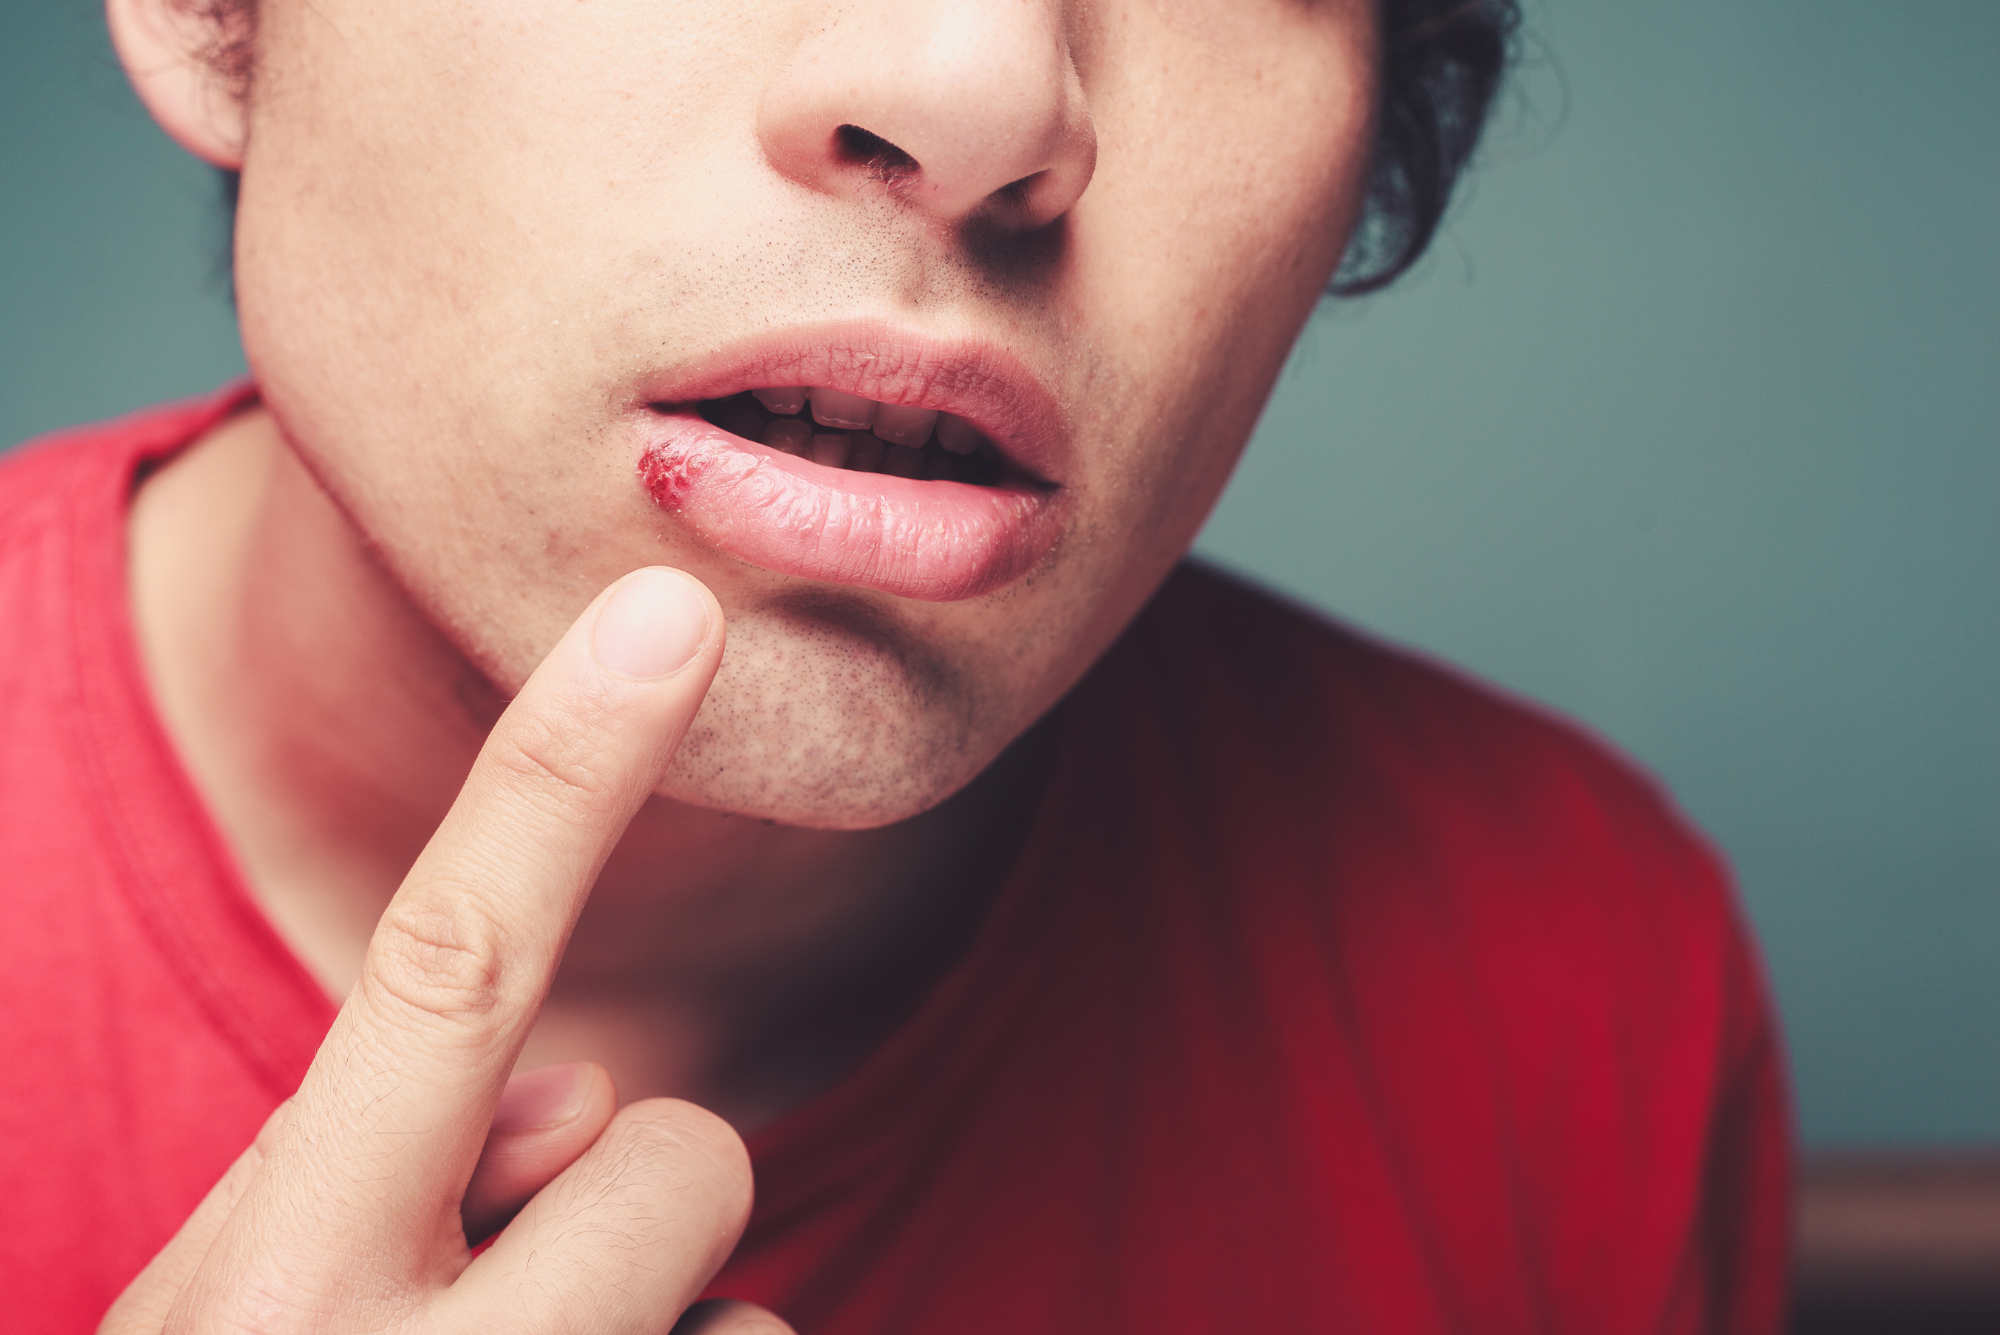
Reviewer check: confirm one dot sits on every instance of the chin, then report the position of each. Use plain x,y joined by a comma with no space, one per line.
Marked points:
819,724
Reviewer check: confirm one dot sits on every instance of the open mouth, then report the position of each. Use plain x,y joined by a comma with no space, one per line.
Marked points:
835,429
863,455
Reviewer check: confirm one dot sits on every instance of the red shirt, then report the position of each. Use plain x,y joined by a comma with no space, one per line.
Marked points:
1332,992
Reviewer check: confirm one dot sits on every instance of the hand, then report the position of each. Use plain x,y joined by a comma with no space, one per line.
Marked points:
352,1210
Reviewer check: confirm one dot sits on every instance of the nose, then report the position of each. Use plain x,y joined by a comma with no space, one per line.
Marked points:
956,107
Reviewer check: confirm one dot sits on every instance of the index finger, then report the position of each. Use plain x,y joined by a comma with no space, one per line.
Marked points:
389,1121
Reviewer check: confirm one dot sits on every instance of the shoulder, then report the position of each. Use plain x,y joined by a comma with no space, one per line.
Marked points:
1487,931
1355,778
37,477
42,478
1310,699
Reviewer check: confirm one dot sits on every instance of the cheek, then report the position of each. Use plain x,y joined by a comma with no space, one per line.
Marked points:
434,199
1232,166
1209,313
488,317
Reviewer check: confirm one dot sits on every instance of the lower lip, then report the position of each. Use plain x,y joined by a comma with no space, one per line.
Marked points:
937,541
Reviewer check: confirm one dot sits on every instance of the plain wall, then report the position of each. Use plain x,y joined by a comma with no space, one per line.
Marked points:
1687,429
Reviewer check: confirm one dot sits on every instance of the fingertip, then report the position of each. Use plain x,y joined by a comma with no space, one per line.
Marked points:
603,1090
542,1099
698,1135
670,1180
546,1119
655,622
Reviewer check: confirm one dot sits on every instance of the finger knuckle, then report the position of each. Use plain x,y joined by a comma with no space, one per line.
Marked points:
560,764
682,1138
444,963
275,1300
265,1302
662,1162
261,1305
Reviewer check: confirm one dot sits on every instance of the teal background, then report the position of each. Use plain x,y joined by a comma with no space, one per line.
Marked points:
1687,428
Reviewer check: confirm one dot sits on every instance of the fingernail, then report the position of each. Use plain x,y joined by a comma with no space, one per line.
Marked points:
539,1099
651,626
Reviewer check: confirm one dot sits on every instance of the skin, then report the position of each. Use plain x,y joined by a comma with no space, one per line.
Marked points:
355,1207
469,236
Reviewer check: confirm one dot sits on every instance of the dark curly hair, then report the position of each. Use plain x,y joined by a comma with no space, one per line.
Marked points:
1442,64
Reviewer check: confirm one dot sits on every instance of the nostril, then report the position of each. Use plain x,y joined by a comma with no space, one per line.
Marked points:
1014,194
882,159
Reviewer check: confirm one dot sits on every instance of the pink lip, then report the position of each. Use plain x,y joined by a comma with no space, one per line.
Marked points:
937,541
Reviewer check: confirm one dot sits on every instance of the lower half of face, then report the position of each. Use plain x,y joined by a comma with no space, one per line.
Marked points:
534,296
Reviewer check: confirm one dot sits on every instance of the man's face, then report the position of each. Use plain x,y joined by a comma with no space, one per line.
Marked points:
491,254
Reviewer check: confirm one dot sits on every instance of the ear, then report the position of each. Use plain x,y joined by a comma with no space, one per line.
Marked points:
167,49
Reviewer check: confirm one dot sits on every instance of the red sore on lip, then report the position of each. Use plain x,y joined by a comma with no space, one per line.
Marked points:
669,479
934,541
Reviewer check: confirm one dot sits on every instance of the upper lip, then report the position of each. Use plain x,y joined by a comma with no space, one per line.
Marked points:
975,379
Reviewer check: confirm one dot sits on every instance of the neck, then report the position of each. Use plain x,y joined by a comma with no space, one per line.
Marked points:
328,725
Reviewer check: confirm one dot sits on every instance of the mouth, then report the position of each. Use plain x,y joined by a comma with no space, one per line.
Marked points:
845,431
909,466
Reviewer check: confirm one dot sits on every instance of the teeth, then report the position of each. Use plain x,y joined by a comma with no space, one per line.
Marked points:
885,437
904,426
864,454
781,402
833,408
788,434
958,435
829,451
